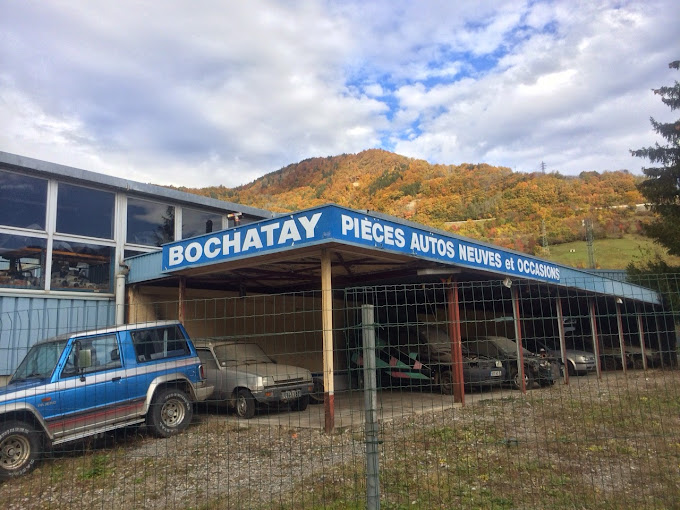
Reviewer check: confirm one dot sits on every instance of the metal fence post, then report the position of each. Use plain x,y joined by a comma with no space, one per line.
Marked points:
371,409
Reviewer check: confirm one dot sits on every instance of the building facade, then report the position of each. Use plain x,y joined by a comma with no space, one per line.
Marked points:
64,234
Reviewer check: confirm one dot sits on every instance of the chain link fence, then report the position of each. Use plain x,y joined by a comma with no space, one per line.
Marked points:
471,394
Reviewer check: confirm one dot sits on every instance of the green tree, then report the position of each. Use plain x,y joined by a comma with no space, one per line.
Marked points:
662,187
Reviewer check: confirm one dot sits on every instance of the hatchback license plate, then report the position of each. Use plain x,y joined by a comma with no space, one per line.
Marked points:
291,394
496,373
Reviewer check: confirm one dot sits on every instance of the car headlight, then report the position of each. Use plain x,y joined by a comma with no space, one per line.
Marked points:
267,380
583,359
545,364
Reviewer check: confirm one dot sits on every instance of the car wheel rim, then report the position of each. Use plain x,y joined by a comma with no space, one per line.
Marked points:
447,383
241,406
172,413
14,451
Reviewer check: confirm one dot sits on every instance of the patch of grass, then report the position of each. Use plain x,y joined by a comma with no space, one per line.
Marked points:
609,253
99,467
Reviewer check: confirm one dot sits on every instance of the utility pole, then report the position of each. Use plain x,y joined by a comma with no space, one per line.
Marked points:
542,167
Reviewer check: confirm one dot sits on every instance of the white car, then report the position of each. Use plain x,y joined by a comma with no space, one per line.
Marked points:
244,376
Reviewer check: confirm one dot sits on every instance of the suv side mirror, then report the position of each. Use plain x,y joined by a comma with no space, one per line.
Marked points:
84,358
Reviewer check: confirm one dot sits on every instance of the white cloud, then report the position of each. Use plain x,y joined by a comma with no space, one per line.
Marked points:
174,94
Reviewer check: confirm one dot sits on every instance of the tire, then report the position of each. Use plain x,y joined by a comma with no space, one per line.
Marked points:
610,363
571,369
316,397
446,382
245,404
516,381
637,363
301,403
19,449
170,413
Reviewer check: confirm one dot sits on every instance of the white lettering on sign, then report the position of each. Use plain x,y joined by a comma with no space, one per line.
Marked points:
243,241
483,256
539,269
372,231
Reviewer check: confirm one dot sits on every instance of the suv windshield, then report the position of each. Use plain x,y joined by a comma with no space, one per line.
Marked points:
234,354
40,361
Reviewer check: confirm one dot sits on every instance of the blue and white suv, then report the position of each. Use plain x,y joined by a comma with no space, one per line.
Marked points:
82,384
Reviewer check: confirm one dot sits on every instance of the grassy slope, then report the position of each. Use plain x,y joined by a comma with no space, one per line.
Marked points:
609,253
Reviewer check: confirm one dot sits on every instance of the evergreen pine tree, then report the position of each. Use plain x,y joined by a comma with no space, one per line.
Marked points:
662,187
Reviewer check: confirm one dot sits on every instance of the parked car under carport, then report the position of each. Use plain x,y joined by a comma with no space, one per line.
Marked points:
244,377
434,348
577,362
611,357
543,370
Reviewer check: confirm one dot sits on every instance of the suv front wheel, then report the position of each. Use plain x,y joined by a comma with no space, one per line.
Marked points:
19,449
170,413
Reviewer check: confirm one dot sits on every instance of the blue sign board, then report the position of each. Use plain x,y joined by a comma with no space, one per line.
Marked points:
331,223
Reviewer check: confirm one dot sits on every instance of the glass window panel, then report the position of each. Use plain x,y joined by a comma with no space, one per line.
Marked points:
85,211
23,200
195,223
150,223
102,351
22,262
81,267
159,343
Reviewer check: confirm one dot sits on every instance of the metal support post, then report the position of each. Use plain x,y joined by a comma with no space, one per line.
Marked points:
622,343
456,347
182,297
596,340
370,408
518,338
641,332
563,349
662,351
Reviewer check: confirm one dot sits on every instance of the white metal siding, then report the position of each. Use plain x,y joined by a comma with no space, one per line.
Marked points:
26,320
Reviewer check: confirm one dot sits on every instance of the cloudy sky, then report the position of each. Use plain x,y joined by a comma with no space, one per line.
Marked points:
212,92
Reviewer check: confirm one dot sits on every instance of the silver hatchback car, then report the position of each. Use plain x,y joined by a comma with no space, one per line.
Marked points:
244,376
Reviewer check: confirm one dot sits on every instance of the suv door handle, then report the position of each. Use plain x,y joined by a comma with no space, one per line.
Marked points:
116,379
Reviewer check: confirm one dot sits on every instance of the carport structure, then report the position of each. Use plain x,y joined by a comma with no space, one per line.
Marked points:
330,248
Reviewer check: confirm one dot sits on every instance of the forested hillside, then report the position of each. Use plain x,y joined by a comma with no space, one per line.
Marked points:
495,204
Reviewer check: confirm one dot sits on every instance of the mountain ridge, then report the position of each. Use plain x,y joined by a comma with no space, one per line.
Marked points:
519,210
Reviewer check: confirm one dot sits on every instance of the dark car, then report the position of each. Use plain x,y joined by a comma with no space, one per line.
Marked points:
541,369
434,348
611,357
